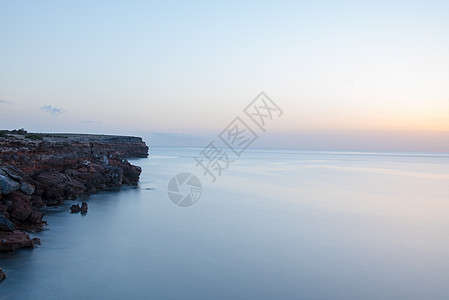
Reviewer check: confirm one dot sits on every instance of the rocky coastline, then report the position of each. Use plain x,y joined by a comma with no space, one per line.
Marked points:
44,171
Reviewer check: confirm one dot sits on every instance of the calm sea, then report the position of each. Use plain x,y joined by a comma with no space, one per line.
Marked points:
278,224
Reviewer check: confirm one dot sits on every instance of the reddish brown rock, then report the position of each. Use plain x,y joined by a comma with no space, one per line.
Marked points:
63,151
53,185
35,217
10,241
21,208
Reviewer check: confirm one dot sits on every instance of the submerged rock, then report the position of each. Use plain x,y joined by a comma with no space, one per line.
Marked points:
2,275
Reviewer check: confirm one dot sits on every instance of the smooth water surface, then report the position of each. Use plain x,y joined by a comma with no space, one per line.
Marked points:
279,224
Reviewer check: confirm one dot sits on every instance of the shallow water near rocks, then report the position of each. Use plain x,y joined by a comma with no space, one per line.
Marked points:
279,224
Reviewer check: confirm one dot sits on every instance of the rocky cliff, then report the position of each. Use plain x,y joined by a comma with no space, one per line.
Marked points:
39,172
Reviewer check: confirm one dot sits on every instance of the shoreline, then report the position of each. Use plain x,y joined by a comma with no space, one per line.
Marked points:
36,173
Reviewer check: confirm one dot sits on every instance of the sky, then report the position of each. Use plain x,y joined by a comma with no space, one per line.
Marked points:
348,75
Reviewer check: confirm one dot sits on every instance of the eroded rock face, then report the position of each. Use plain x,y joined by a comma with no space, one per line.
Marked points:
16,202
38,173
60,152
8,185
21,206
12,179
10,241
6,224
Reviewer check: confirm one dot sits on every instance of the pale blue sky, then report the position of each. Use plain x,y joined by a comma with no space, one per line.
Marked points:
377,68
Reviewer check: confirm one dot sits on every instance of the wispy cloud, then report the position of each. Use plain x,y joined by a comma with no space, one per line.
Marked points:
4,101
52,110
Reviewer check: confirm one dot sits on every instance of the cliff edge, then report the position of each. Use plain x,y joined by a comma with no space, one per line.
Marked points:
44,169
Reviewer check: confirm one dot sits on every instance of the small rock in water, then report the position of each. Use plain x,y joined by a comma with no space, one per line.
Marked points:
83,208
2,275
75,208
